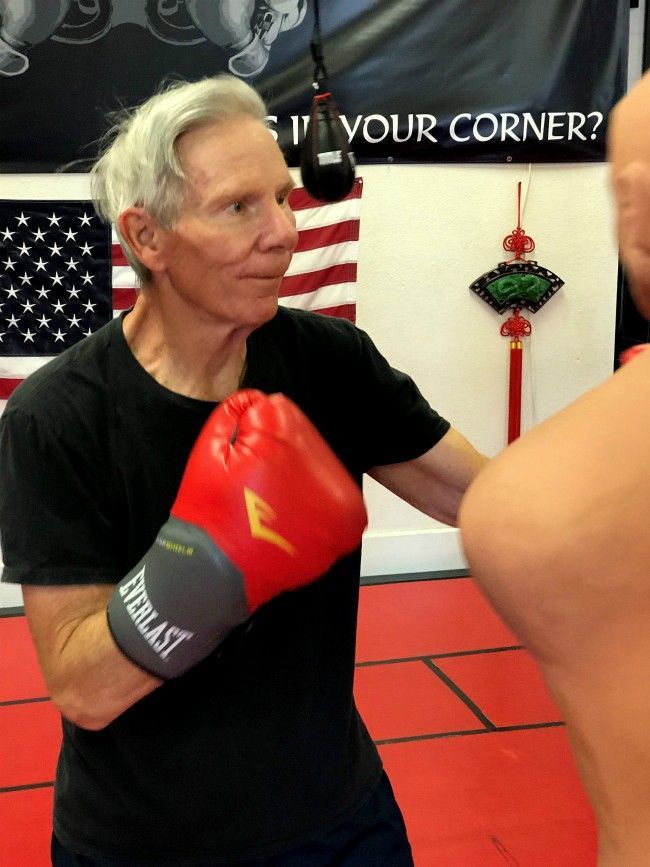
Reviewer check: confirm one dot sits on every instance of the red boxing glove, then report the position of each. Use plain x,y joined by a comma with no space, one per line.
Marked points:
628,354
264,506
271,494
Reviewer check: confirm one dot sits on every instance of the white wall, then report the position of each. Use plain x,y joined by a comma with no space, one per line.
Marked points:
426,233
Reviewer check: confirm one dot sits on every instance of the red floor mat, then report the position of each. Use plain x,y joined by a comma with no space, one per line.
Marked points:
30,735
503,798
20,676
495,798
26,823
422,618
406,699
507,686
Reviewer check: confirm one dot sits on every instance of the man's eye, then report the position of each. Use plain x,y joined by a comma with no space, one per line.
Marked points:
282,199
236,207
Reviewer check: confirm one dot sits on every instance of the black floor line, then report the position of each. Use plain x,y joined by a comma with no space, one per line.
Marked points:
465,732
413,576
24,701
12,611
4,790
451,655
459,693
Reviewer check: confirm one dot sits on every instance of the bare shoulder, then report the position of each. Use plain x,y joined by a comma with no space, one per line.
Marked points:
575,487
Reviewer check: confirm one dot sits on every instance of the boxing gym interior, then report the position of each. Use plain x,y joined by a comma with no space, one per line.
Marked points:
467,730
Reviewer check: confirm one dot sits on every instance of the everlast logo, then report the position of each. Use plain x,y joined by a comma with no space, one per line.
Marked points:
260,515
162,636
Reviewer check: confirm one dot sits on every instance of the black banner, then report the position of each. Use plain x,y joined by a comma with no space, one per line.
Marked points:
415,80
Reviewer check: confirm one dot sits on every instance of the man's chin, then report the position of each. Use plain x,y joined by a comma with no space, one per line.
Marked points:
264,310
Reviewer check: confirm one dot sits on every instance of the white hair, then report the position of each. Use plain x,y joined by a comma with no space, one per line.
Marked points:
139,164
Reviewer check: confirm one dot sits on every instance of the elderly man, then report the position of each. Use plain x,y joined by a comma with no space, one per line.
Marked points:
180,500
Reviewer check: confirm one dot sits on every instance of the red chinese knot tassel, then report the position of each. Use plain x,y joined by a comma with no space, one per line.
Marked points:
515,328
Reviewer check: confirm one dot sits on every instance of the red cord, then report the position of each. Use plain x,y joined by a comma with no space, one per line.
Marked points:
514,398
518,242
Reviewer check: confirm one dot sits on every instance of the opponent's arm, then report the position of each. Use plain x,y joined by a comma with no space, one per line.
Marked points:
555,528
264,506
435,482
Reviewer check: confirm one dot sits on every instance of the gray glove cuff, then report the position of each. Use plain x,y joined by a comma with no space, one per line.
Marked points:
178,604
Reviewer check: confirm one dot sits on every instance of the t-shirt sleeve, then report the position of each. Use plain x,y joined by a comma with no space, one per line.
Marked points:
55,523
393,421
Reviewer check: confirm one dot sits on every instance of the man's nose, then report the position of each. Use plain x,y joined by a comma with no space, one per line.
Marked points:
279,228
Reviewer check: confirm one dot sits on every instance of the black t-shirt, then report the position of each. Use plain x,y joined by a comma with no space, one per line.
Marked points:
260,745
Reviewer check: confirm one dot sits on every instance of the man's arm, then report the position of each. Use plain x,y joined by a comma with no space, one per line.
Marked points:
88,678
264,507
436,481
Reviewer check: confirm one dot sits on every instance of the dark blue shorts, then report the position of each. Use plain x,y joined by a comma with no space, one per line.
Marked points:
374,836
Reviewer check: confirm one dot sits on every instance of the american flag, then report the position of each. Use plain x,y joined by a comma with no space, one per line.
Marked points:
63,274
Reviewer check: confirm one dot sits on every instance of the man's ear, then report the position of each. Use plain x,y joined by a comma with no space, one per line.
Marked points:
144,235
632,189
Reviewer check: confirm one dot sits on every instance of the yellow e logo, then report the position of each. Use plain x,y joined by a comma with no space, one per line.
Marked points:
260,514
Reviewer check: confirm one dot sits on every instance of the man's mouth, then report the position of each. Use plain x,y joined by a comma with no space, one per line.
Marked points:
264,276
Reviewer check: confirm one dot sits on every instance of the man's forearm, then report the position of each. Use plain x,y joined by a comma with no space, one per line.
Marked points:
88,677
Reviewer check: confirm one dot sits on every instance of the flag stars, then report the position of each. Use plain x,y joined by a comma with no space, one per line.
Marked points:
50,304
